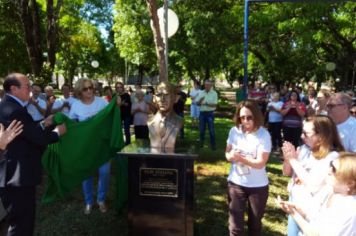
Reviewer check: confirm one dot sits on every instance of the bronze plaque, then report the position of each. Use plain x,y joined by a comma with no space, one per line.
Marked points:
158,182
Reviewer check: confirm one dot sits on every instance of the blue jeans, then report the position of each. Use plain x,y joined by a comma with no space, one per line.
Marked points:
103,184
127,122
207,117
293,228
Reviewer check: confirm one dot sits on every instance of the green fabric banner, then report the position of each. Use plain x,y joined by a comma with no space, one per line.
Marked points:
82,150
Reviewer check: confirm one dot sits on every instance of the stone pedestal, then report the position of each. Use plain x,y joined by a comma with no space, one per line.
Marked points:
160,196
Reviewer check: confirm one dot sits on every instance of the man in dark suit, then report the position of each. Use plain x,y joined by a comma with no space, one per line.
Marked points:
20,170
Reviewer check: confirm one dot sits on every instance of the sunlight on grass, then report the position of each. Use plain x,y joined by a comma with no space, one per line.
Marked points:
210,211
217,198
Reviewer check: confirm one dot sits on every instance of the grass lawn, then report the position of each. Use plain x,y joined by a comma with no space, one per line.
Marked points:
66,217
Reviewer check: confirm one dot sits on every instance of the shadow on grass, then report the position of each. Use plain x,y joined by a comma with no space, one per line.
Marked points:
66,217
211,206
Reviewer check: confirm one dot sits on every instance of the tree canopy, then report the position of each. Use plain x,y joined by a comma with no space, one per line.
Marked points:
288,41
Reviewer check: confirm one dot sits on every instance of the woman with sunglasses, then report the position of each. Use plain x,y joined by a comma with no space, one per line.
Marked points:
293,112
248,148
308,166
84,108
336,215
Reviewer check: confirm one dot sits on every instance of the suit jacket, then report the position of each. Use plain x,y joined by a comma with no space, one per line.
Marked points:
22,163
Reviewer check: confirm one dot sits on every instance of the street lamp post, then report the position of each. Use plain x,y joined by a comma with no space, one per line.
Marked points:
166,34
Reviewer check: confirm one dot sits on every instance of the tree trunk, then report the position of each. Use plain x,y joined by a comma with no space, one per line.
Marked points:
29,15
52,30
141,70
160,46
207,73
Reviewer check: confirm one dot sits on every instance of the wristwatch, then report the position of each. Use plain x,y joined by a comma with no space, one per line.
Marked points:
43,124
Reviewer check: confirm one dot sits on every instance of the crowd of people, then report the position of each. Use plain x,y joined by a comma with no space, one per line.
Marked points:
313,134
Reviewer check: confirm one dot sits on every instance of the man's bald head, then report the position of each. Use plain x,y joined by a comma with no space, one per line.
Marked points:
18,85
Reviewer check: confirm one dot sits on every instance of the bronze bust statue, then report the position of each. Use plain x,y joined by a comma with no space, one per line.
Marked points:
164,126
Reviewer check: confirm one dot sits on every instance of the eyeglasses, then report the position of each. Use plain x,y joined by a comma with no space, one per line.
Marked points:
247,118
163,95
85,89
331,106
306,134
353,112
333,169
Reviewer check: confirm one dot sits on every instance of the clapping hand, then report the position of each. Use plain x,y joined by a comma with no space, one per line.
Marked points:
286,206
233,155
33,101
289,151
201,100
48,121
6,136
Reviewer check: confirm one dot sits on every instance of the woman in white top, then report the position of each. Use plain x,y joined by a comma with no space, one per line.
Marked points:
275,119
248,149
194,108
337,213
322,98
140,111
309,165
84,108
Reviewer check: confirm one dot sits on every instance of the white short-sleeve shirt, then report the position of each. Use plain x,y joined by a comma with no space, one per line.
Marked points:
275,116
34,112
70,100
250,144
80,111
194,94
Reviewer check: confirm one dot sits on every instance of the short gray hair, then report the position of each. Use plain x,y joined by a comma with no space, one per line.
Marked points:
344,99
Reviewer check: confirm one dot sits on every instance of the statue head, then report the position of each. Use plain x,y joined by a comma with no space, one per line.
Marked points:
164,126
165,97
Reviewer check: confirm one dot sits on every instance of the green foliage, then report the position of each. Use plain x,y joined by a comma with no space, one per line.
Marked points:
294,41
45,77
133,35
12,45
288,41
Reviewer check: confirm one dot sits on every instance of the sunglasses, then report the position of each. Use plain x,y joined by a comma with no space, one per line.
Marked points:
353,112
88,88
333,169
163,95
247,118
306,134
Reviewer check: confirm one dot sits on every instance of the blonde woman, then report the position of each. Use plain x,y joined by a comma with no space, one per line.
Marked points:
337,213
84,108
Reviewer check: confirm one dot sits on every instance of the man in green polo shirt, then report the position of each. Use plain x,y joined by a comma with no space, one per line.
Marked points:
207,100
